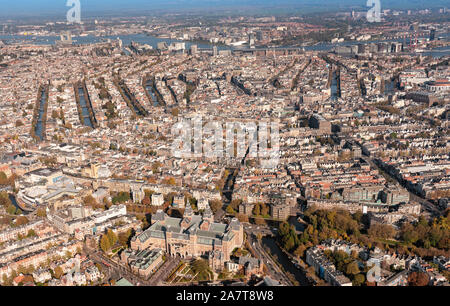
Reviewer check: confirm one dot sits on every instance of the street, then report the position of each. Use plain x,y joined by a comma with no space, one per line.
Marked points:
273,269
427,206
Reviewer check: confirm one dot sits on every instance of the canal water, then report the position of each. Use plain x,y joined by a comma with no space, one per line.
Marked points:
84,108
389,87
39,130
149,88
299,227
133,101
14,202
284,261
437,52
334,87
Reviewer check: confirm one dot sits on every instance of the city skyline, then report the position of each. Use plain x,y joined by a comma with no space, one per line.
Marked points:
49,8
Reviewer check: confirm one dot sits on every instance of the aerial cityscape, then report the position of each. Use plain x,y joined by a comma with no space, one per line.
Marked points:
242,143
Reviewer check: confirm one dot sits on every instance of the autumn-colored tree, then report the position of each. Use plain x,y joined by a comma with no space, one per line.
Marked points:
89,200
384,231
104,244
4,197
112,237
55,114
260,221
5,281
155,167
257,209
168,198
41,212
125,237
58,272
242,217
230,210
235,204
171,181
21,269
215,205
175,112
352,268
300,250
148,193
359,279
418,279
11,209
21,220
264,210
146,201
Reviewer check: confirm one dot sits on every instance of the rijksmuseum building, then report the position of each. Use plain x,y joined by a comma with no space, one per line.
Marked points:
191,236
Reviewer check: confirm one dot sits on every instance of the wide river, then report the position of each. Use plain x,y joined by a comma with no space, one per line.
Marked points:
153,41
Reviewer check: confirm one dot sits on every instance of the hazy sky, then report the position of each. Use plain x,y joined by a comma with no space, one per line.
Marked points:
36,7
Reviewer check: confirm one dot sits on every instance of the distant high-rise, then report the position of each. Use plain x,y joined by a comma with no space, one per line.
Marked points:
215,51
361,49
194,49
260,35
251,39
396,47
432,34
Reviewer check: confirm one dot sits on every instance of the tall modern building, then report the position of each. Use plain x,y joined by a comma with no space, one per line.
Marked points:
194,49
361,49
396,47
432,34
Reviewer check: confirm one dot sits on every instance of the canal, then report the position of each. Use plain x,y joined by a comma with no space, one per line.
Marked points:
334,87
284,261
389,87
84,108
149,88
138,109
299,227
12,197
39,130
